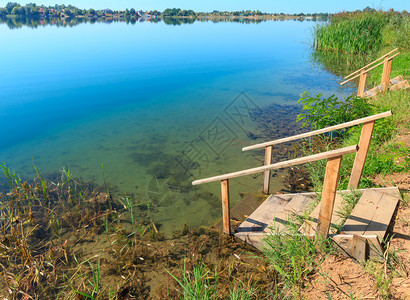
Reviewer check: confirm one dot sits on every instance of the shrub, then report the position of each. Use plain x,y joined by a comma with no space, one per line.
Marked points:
318,112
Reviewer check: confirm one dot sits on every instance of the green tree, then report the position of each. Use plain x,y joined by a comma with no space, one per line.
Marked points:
68,12
10,6
33,11
132,11
18,11
127,14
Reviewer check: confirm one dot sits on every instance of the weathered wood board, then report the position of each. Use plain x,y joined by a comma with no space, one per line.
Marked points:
271,216
310,225
360,237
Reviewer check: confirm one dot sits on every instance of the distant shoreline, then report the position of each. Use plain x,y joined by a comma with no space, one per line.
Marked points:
15,21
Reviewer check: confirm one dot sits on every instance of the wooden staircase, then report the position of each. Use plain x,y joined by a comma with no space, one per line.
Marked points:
360,236
386,83
364,229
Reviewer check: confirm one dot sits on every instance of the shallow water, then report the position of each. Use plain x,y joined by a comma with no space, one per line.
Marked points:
147,108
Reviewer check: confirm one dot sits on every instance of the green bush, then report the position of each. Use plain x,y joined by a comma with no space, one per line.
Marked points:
318,112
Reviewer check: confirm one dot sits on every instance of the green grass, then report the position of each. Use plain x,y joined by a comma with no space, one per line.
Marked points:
201,283
401,66
360,33
369,33
295,256
386,154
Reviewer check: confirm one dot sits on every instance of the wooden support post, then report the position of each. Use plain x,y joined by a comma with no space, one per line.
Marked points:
386,73
266,174
360,248
226,216
360,159
362,83
328,195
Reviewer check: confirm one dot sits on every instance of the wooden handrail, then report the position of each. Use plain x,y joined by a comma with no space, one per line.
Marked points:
288,163
319,131
359,70
375,66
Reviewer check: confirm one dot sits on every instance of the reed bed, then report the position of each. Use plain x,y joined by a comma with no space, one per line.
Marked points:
61,238
361,33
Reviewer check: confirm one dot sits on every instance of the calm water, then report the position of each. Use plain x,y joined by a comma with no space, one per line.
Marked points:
150,107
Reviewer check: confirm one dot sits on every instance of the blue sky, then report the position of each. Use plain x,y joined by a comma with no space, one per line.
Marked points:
289,6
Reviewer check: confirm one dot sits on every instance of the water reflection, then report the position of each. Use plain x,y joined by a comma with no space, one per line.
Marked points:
17,22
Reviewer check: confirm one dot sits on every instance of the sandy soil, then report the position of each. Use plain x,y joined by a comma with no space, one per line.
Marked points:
341,277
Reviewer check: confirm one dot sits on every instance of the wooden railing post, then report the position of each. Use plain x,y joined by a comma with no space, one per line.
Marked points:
226,216
386,72
362,83
328,195
360,159
266,174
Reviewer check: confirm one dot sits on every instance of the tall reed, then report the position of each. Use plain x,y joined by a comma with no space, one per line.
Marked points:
360,33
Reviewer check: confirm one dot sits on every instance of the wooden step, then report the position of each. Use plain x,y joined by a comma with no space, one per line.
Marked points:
271,216
361,235
396,80
310,225
370,219
372,214
402,85
259,220
373,92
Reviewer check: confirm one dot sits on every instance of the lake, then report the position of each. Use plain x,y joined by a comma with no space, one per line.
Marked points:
144,109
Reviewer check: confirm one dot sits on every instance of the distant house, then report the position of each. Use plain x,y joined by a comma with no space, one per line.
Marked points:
41,11
145,14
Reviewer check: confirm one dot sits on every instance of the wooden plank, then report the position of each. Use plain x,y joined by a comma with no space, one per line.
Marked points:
382,216
274,213
296,206
362,214
392,190
403,85
288,163
260,219
362,84
271,218
375,247
320,131
226,218
396,80
266,174
246,207
360,159
328,195
386,72
345,242
360,248
310,225
256,228
255,240
369,94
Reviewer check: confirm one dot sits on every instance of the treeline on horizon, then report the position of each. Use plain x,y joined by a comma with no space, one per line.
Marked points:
33,10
